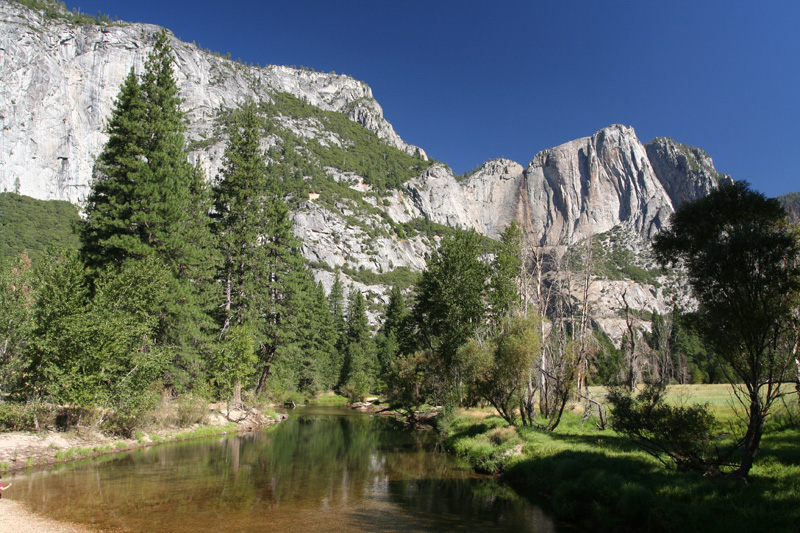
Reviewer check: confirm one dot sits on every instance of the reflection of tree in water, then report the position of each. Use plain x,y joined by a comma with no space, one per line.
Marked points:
367,471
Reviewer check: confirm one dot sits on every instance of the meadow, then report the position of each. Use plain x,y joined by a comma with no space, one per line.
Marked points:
598,479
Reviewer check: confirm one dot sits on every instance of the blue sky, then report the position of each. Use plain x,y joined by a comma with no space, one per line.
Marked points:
470,81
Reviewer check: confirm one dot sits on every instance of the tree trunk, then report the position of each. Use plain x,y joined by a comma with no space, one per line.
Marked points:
632,363
752,439
237,393
262,381
797,379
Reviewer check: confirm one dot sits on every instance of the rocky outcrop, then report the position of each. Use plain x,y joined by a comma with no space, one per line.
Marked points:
329,238
592,184
58,82
686,172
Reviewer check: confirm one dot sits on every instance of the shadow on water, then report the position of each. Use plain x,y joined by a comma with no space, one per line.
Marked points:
324,469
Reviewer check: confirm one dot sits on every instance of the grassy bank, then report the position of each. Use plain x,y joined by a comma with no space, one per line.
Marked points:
597,479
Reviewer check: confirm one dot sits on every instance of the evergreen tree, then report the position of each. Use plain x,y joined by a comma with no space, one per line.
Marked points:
396,312
451,306
285,281
360,366
394,335
322,340
305,359
337,307
451,295
503,290
241,202
110,233
357,321
148,200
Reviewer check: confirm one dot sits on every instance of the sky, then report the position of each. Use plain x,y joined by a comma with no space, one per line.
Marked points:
470,81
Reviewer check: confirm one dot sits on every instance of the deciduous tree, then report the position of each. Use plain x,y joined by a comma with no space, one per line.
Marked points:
743,262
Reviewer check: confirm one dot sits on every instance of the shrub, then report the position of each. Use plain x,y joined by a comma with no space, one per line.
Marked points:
190,410
16,416
681,436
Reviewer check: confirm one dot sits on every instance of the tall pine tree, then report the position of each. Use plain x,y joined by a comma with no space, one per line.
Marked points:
148,200
242,201
285,282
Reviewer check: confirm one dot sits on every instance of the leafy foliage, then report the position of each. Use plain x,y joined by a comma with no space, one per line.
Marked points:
450,295
678,435
499,364
743,261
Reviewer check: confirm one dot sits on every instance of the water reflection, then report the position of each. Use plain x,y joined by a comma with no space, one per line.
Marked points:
321,470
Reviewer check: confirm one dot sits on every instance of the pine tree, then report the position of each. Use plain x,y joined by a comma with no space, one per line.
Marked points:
336,305
504,295
241,202
148,200
110,234
285,281
394,335
323,329
360,367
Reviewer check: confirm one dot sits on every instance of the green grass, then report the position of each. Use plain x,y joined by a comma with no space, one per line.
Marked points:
722,402
331,399
599,480
203,431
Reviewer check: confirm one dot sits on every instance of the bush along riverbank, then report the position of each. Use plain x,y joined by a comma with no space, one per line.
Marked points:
599,480
174,421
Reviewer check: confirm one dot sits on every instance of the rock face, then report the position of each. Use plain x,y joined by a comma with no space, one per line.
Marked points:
58,82
791,202
569,192
685,172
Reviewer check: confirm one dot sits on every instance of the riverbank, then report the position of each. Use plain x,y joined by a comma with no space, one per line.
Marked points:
600,481
15,517
20,450
25,450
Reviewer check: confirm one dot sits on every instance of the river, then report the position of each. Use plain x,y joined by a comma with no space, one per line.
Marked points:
323,469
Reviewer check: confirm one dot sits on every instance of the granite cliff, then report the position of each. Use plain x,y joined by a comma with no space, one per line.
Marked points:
58,81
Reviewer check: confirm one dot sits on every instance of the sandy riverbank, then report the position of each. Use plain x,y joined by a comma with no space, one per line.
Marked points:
22,450
15,517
